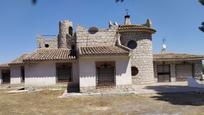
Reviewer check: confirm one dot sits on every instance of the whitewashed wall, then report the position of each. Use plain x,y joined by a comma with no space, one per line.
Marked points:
40,74
87,70
123,72
15,74
87,73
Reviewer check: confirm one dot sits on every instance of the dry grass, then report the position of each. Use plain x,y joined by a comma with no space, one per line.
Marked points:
46,103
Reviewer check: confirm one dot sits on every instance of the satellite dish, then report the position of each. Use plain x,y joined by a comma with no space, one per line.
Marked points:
164,46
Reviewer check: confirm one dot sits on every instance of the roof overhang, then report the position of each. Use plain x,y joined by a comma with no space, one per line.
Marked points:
176,57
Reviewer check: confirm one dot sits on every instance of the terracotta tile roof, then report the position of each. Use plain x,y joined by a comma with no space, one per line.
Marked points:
19,60
137,28
102,50
176,57
5,65
51,54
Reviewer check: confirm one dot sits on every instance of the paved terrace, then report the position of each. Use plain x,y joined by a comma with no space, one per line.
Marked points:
172,87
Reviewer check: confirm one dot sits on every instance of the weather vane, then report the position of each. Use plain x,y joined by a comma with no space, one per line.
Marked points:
126,10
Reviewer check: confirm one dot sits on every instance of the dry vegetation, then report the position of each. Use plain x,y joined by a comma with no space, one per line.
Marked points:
46,103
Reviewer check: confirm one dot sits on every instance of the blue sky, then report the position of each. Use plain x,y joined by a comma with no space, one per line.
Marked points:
175,20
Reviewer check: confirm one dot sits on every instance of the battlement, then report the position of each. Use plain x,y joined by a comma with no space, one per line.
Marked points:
47,41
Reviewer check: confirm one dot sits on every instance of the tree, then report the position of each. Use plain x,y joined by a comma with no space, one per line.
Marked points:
34,2
202,2
202,24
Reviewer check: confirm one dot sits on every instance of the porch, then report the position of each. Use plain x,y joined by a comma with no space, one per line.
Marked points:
96,74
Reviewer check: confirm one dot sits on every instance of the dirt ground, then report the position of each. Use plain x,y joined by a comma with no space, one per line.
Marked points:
46,102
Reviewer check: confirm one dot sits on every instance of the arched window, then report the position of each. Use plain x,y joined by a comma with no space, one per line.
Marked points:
132,44
134,71
70,31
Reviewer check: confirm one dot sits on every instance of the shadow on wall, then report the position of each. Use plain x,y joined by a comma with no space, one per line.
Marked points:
179,95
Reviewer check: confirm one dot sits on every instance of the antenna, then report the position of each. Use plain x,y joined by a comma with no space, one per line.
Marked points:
163,46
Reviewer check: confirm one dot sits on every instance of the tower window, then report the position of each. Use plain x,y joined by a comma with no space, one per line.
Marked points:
132,44
134,71
70,31
47,45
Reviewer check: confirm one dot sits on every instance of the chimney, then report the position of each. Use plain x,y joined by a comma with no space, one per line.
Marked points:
127,20
148,23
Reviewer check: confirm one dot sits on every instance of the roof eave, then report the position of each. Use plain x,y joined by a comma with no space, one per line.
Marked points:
177,59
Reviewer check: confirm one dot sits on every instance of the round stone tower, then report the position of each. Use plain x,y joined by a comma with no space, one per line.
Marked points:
65,34
139,39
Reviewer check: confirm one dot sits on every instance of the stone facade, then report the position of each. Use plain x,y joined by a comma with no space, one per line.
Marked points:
65,34
113,89
50,41
141,56
103,37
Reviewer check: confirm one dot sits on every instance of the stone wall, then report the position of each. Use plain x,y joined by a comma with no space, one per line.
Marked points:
113,89
64,36
141,56
104,37
50,40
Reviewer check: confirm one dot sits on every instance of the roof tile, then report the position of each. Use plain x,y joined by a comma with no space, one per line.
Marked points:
19,60
51,54
103,50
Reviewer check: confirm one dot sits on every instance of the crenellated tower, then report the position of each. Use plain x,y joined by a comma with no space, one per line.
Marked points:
65,34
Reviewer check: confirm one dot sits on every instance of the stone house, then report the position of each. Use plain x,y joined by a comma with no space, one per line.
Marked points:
118,57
